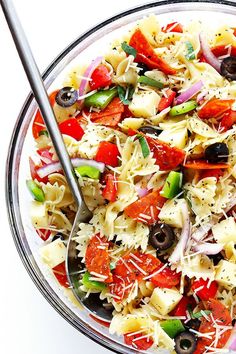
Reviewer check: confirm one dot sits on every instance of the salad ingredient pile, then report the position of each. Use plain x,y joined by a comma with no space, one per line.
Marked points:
150,130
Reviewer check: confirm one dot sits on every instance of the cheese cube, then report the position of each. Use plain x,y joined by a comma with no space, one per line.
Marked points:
39,216
226,274
225,231
176,138
132,123
144,104
171,212
165,300
53,253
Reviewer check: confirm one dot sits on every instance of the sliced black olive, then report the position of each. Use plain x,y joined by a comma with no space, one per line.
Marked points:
161,236
233,322
193,323
66,97
58,236
228,68
143,68
185,343
217,152
149,129
216,258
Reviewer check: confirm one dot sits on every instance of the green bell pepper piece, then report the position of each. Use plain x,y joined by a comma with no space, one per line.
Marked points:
87,171
35,190
173,184
150,82
92,284
101,99
183,108
172,327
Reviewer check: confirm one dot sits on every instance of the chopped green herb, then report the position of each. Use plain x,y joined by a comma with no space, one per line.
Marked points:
144,146
125,96
43,132
128,49
150,82
36,191
190,51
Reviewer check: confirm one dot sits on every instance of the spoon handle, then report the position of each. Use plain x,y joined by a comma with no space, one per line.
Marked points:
41,97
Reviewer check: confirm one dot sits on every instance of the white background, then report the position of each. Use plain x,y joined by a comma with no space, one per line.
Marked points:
29,325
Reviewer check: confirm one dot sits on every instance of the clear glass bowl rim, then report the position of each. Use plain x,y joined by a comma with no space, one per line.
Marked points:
10,176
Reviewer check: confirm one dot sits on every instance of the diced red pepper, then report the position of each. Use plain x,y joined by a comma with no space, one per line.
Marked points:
45,156
167,157
215,108
204,289
110,191
127,113
173,27
167,278
140,344
220,51
182,307
234,29
228,120
147,55
60,273
97,258
38,123
108,153
100,77
72,128
43,234
167,100
204,165
33,172
147,208
217,173
220,313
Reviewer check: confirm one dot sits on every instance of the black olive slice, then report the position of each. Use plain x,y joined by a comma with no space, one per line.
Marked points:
216,258
193,323
59,235
66,97
161,236
217,152
149,129
143,68
185,343
228,68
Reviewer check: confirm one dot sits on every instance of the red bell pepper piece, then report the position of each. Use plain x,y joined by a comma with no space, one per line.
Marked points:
101,322
38,123
182,307
108,153
60,273
228,120
147,55
215,108
43,234
166,101
217,173
140,344
33,172
100,77
97,258
204,165
147,208
72,128
110,190
203,290
173,27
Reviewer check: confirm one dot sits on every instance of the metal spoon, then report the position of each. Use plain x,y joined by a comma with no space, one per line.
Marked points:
73,264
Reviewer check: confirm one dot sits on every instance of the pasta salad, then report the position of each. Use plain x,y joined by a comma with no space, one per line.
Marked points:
150,130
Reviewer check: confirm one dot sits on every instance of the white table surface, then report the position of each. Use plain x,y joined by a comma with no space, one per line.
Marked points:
29,325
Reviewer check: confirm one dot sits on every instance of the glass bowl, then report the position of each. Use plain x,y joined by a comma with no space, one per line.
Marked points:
18,199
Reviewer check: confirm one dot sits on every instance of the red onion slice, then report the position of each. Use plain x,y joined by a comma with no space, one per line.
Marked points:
209,56
192,91
208,248
141,191
87,75
76,162
184,237
201,96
